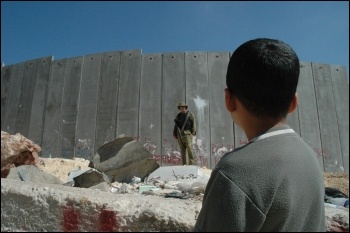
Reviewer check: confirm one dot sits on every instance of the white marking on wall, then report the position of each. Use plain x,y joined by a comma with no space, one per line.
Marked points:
202,142
84,143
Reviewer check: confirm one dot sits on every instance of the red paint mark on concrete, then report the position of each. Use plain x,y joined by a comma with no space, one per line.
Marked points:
108,221
71,219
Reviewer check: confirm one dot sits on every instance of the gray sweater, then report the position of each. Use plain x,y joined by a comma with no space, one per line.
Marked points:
271,184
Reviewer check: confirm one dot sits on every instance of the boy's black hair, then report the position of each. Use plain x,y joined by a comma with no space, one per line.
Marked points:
263,74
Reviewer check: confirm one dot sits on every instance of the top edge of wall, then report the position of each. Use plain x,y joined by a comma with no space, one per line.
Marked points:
140,50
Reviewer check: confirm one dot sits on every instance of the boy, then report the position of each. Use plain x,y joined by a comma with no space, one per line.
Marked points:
274,182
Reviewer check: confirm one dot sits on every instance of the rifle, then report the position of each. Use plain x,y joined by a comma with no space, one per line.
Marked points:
180,132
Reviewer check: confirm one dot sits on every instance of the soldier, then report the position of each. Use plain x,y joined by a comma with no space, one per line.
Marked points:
184,130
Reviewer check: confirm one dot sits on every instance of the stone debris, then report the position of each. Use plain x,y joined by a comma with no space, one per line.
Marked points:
123,167
17,150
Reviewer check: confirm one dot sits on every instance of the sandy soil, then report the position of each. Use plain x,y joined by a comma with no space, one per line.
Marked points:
60,168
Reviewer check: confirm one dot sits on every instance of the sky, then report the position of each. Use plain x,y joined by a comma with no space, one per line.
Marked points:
318,31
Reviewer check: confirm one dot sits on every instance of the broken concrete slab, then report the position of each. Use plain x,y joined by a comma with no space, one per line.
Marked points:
75,173
171,173
110,149
58,208
141,168
30,173
123,159
104,186
90,178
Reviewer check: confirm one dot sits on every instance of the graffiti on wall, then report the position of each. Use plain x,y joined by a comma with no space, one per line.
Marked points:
83,148
219,149
327,154
201,142
171,154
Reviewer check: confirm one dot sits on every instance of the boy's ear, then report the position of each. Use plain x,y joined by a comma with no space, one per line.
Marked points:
294,103
229,101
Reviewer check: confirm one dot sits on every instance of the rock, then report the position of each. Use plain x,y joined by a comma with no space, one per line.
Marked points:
17,150
337,219
90,178
123,159
30,173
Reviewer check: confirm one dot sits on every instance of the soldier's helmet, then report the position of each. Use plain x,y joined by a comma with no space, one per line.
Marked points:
182,104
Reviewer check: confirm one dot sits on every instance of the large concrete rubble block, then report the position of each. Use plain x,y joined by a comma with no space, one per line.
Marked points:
110,149
90,178
57,208
17,150
30,173
172,173
31,207
123,159
141,168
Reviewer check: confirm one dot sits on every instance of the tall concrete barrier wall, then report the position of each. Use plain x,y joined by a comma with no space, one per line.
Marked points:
72,106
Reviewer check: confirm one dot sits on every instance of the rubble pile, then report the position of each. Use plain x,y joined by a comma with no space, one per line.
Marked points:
124,166
17,150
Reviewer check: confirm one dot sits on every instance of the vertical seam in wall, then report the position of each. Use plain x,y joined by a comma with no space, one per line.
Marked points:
59,143
97,100
139,105
336,116
318,117
77,109
45,104
161,108
233,123
118,93
209,121
18,96
184,56
138,112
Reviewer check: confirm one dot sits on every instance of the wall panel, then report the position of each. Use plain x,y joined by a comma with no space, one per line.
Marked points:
129,94
26,97
69,107
87,107
341,101
107,99
37,115
173,92
221,124
307,107
51,132
197,98
13,98
330,141
150,104
5,89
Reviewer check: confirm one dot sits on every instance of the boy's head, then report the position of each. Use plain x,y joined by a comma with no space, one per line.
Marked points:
263,74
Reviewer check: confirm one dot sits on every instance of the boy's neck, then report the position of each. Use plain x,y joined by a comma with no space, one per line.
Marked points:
256,126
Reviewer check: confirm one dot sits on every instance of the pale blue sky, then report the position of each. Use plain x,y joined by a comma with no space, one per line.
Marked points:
318,31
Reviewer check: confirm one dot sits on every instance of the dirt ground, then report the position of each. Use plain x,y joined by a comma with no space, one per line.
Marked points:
61,167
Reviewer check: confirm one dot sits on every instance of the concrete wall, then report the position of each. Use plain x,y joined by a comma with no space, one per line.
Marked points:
72,106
